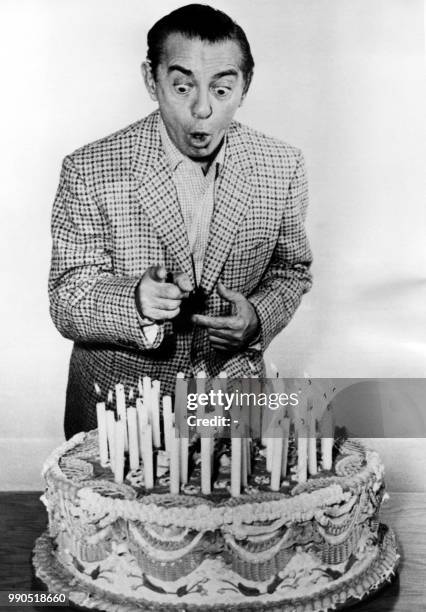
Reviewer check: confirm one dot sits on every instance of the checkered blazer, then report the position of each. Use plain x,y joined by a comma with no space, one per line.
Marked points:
116,213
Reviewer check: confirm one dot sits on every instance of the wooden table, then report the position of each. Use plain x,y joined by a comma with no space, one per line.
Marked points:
23,518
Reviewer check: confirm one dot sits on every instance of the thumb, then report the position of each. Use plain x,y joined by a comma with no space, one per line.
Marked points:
230,295
182,280
157,273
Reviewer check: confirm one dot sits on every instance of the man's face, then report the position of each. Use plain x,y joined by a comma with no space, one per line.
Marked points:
198,86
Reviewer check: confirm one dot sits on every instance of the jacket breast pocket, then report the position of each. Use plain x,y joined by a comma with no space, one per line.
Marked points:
245,245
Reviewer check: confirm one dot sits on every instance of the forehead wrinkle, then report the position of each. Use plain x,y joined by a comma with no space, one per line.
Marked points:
222,72
197,56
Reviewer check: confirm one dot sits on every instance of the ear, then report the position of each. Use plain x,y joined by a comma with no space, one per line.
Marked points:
242,100
149,80
246,85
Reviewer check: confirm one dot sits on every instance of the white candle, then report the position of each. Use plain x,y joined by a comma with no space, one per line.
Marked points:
206,470
269,442
312,444
167,422
248,456
244,462
110,423
142,410
119,451
147,456
327,453
264,425
142,421
302,436
180,403
146,389
133,438
275,444
174,463
327,439
235,467
184,443
252,385
102,433
120,402
286,434
302,453
200,387
266,431
146,396
155,412
277,454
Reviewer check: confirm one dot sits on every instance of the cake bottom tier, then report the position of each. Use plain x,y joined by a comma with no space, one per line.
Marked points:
303,586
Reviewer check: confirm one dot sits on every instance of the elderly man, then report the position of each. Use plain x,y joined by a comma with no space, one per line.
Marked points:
179,241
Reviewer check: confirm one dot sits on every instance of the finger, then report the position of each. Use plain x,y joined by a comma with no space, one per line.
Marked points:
222,334
157,273
222,343
168,291
158,314
223,350
183,281
229,294
161,304
217,322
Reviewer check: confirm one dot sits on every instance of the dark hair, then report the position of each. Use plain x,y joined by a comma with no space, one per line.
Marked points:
203,22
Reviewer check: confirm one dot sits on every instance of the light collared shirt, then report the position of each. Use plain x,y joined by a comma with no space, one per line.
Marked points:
196,196
196,193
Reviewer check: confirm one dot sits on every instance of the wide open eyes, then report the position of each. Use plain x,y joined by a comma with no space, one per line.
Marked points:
182,88
219,91
222,91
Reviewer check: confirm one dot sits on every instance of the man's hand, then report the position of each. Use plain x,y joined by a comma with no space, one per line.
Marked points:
157,299
233,333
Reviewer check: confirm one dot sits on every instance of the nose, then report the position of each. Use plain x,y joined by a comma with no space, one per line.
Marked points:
201,107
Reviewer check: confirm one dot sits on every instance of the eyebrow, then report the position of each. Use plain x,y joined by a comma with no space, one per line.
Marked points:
179,68
222,73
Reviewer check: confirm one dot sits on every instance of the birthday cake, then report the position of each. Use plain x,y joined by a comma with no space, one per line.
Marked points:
314,543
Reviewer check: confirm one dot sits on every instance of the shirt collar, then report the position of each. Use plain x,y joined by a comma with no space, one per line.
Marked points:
175,157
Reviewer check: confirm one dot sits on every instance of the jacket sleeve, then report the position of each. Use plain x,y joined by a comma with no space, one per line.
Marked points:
288,277
88,302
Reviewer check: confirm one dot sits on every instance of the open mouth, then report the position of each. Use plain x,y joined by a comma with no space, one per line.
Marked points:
200,139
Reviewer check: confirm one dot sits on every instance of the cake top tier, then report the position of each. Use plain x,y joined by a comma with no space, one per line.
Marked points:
76,467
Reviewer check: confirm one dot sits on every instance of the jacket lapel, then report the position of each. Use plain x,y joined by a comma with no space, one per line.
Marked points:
157,194
233,198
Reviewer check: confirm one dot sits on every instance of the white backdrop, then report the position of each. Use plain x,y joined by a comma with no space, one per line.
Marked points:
342,79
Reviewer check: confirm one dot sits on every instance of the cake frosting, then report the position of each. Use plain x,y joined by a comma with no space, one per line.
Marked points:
311,545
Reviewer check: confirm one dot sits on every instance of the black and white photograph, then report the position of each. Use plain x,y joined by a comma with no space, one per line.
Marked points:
213,361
